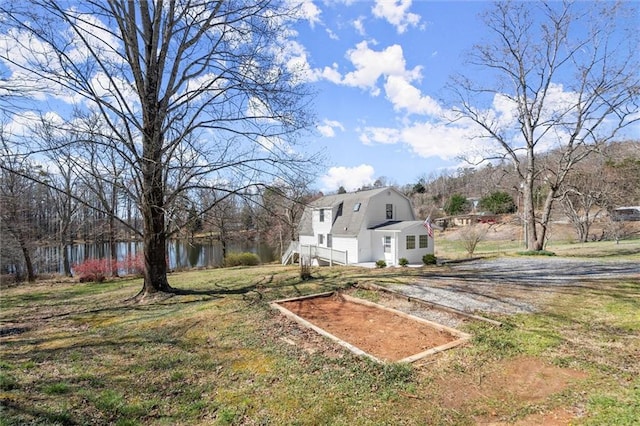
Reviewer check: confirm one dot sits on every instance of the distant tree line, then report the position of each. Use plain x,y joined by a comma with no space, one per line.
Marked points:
603,181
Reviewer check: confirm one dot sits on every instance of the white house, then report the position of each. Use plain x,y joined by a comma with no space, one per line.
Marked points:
362,227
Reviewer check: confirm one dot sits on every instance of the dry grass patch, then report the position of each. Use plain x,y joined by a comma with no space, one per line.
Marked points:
86,354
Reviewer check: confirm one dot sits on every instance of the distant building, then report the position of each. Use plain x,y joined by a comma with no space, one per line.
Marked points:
467,220
626,213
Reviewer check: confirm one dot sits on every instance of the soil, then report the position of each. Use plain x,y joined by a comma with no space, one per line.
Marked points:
502,286
491,286
521,379
499,384
378,332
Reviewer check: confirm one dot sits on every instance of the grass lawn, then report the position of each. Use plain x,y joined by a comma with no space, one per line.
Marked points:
83,353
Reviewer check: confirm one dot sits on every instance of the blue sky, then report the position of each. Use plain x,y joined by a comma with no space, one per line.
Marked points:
379,71
380,68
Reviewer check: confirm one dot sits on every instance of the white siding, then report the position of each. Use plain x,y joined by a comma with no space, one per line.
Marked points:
414,256
377,246
348,244
308,240
376,210
364,246
323,228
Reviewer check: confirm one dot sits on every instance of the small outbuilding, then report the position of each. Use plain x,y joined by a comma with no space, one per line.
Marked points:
631,213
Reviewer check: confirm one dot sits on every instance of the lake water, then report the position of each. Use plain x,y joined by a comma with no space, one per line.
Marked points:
180,254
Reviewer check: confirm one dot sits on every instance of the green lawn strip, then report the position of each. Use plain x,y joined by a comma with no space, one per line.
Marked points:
604,250
600,330
594,329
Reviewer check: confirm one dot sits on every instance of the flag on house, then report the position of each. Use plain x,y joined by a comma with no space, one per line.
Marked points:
427,224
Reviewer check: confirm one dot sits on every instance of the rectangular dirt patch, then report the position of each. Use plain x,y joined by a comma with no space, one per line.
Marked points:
370,329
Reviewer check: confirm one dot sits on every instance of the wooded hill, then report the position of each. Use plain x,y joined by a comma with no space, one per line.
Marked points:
604,180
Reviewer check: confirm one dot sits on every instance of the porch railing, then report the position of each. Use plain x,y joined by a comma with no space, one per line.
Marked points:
326,254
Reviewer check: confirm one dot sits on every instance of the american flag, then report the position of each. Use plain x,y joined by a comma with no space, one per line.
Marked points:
427,224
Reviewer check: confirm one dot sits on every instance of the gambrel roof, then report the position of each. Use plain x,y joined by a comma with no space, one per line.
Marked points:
348,221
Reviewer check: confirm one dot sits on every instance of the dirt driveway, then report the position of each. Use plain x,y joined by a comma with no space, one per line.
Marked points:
512,285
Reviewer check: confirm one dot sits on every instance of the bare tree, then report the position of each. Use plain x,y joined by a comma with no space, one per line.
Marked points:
472,235
16,207
622,173
282,207
222,217
584,201
555,74
62,181
191,94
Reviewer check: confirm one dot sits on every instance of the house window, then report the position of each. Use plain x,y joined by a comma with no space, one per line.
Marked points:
424,241
387,244
321,215
389,211
356,207
329,240
320,239
411,242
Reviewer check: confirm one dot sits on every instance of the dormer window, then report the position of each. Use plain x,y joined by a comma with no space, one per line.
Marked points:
321,215
356,207
389,211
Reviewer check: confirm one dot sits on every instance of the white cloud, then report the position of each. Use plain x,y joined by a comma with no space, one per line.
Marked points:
370,65
309,11
434,138
89,35
383,135
328,128
358,24
395,12
406,97
23,124
439,139
294,57
328,73
331,34
351,178
114,88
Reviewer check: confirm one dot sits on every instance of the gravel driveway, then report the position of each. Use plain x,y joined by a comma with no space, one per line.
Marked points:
512,285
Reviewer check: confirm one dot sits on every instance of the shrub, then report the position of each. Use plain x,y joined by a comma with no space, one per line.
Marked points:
381,264
95,270
429,259
403,261
498,202
471,236
305,268
457,204
241,259
132,264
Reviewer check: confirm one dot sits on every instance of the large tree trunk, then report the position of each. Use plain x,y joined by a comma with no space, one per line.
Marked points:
113,244
529,202
155,242
64,244
546,219
31,276
531,234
